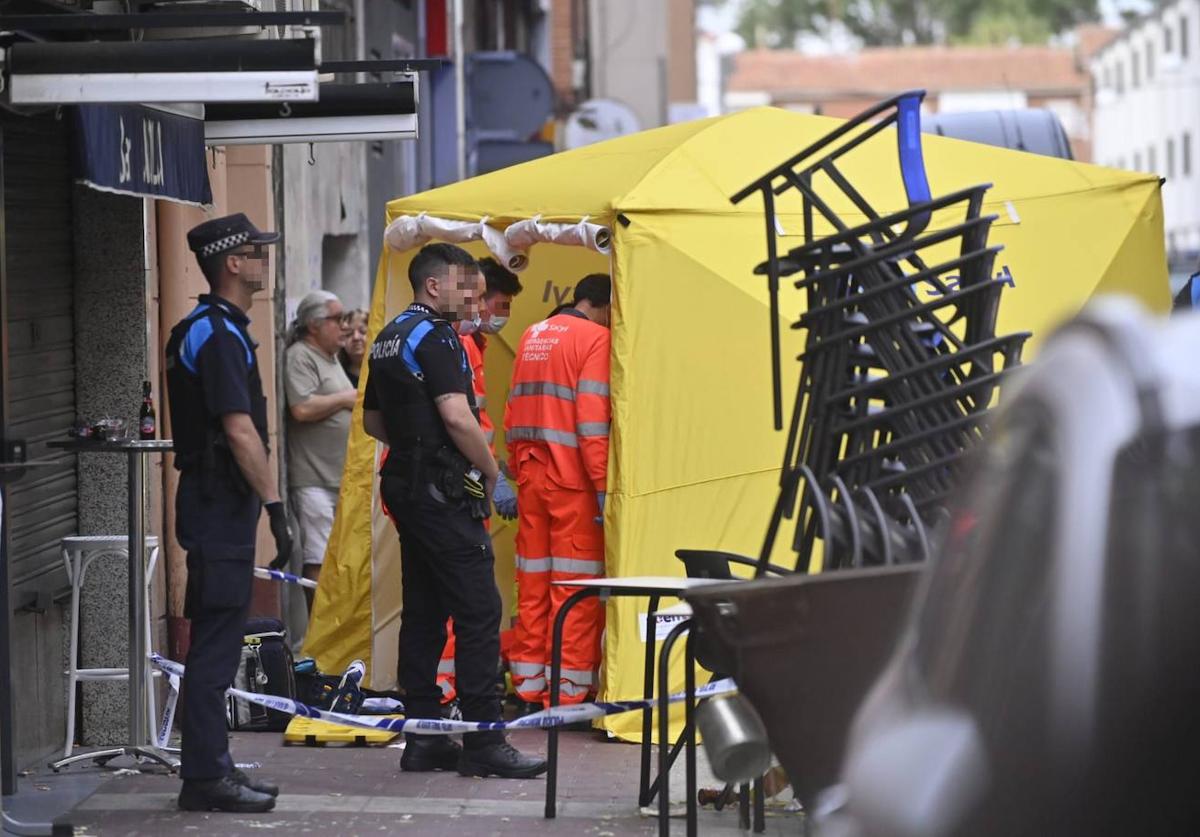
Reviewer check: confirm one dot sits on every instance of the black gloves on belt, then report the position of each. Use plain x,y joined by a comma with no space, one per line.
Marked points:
282,532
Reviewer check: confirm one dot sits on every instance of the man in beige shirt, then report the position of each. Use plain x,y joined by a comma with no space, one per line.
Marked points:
320,398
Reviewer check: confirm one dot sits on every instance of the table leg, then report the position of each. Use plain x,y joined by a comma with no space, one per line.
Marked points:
137,621
555,674
644,795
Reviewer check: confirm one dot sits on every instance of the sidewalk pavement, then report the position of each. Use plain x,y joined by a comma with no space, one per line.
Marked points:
355,790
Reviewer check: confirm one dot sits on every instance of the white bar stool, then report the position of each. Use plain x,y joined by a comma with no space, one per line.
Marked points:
78,554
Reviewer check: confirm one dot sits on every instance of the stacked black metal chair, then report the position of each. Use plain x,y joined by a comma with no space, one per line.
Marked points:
901,359
900,368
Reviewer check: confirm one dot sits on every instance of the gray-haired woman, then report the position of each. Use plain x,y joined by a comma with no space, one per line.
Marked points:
320,399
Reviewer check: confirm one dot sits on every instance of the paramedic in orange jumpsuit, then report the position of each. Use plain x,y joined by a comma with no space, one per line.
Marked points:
502,285
556,427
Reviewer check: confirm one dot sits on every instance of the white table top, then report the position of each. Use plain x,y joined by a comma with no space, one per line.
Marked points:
662,583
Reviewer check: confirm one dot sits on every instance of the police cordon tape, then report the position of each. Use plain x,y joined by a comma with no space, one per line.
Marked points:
354,674
168,716
547,718
280,575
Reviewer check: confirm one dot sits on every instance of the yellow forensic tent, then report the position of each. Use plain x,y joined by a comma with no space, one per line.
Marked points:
694,461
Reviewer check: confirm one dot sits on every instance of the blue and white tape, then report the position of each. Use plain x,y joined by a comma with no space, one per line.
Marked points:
168,716
280,575
383,705
547,718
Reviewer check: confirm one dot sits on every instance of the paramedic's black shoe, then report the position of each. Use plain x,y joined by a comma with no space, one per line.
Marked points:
500,759
423,753
260,785
525,707
223,794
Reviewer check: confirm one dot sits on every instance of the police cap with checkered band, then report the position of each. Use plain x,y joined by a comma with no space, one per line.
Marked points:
220,235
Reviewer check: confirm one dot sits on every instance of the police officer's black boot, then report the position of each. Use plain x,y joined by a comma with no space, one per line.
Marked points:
255,784
423,753
224,794
499,758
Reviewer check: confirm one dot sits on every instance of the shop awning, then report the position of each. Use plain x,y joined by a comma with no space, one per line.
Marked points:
188,70
343,112
142,151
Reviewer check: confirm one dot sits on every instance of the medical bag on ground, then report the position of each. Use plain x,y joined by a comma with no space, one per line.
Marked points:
266,668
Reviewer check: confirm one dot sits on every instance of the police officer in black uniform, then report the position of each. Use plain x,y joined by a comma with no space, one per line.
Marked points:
219,421
437,483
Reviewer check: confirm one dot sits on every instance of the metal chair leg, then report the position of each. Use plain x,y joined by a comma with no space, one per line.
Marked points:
664,727
151,699
73,660
11,825
760,804
724,797
676,748
689,732
551,809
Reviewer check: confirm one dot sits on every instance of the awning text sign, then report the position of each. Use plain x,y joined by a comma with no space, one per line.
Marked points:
136,150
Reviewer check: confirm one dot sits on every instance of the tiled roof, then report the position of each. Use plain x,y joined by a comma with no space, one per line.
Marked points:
1094,37
879,72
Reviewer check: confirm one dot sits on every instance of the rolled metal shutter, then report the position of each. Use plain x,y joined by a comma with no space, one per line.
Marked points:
38,310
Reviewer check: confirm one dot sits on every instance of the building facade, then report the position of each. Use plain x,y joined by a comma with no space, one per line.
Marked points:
1147,116
956,79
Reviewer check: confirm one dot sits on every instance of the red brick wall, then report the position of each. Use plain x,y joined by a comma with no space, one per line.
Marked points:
561,49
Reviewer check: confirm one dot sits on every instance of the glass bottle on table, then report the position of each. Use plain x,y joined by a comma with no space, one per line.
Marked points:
147,421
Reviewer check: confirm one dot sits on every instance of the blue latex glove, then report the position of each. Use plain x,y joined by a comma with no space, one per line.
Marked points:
505,499
600,495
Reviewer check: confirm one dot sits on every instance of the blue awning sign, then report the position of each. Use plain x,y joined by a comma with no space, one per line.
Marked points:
141,151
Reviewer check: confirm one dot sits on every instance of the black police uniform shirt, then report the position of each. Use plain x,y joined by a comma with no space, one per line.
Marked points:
430,363
213,372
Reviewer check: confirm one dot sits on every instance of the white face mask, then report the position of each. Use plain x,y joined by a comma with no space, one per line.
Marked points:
493,325
471,326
